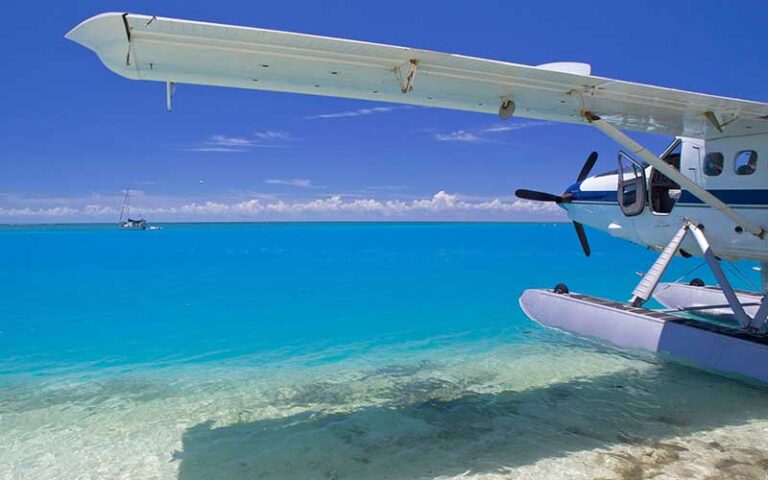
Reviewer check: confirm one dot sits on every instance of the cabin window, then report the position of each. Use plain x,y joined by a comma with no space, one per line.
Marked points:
745,162
713,164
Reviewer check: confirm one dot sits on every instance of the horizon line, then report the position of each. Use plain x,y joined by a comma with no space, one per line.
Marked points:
263,222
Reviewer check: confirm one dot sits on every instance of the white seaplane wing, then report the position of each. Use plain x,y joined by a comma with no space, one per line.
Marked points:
145,47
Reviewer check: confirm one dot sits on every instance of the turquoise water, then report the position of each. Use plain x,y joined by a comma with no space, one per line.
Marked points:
341,351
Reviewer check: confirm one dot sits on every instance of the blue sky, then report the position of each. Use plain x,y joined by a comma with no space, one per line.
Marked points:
74,135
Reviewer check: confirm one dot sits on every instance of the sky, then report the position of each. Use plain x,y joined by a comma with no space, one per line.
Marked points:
74,135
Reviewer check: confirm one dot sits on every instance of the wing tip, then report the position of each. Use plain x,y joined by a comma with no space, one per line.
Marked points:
95,26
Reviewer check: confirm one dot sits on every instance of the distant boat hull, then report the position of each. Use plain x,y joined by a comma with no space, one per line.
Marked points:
134,224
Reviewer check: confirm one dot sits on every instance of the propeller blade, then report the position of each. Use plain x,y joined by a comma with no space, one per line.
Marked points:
584,173
537,196
582,238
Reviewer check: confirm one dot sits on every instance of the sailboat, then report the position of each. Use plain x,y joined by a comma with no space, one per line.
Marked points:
125,212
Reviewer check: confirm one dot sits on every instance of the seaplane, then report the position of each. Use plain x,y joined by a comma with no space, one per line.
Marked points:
705,196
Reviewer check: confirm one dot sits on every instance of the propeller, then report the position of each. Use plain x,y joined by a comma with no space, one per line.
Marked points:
564,198
584,173
538,196
582,238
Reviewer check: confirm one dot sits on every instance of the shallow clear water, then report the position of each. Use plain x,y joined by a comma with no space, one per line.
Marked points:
296,351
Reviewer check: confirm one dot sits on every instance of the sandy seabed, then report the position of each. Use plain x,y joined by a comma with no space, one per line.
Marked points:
523,411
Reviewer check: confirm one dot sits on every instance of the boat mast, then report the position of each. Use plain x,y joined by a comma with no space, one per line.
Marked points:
126,206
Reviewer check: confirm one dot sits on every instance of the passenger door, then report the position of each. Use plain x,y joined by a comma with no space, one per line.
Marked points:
632,189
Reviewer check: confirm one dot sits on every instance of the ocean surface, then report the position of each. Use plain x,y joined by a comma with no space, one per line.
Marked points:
342,351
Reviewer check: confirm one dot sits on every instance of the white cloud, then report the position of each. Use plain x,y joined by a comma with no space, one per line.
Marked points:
480,135
458,136
215,149
294,182
225,143
441,205
355,113
53,212
99,210
508,127
273,135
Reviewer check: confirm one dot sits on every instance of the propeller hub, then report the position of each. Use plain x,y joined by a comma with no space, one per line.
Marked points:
570,194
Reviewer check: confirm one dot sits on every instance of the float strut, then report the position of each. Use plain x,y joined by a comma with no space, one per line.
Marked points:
761,317
725,285
650,280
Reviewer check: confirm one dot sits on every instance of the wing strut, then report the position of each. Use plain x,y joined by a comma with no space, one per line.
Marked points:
696,190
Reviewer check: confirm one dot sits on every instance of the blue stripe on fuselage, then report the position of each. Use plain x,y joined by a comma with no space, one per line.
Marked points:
595,196
730,197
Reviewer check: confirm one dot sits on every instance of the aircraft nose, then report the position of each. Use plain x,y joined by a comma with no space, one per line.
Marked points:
571,193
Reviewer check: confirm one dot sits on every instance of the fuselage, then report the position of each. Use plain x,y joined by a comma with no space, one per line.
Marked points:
639,204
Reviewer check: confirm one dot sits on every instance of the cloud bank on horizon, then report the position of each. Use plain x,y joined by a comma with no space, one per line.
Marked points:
441,206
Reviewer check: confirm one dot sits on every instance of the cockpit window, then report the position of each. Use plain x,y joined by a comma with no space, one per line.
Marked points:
745,162
713,164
